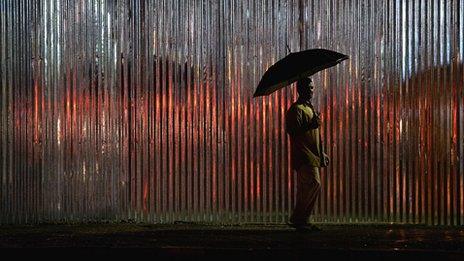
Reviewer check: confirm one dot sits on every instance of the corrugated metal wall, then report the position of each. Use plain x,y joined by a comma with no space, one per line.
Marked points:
143,110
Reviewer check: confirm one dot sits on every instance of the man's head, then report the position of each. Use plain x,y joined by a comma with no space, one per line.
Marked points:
305,88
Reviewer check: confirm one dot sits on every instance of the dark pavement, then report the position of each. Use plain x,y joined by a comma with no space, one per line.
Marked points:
178,241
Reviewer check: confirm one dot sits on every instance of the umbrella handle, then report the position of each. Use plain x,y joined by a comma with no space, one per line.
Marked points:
288,48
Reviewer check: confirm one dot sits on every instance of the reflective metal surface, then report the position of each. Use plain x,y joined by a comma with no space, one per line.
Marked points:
143,110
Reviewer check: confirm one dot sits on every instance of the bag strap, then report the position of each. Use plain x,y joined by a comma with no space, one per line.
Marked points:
321,147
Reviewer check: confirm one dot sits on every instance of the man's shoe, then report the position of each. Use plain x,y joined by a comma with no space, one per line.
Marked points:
313,227
297,225
303,227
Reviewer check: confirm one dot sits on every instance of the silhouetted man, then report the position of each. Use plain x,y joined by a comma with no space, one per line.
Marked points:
302,124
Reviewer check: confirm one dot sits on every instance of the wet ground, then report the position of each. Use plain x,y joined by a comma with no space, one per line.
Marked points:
178,241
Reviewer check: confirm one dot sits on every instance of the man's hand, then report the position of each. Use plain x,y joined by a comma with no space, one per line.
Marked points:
326,160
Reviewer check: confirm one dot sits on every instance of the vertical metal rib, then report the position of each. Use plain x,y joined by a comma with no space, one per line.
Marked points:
129,110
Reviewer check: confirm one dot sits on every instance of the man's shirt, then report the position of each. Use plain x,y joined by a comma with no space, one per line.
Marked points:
304,140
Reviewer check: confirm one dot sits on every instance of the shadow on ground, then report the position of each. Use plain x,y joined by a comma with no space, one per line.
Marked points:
178,241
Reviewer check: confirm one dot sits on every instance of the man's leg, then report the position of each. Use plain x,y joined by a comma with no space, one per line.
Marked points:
308,188
315,191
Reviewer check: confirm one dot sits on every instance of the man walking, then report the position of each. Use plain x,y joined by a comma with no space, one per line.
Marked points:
302,125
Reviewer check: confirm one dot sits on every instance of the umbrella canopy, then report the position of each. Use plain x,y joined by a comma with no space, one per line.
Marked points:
295,66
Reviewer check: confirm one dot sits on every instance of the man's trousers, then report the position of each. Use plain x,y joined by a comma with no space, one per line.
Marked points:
308,189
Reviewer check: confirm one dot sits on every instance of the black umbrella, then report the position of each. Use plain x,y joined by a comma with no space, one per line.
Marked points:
295,66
